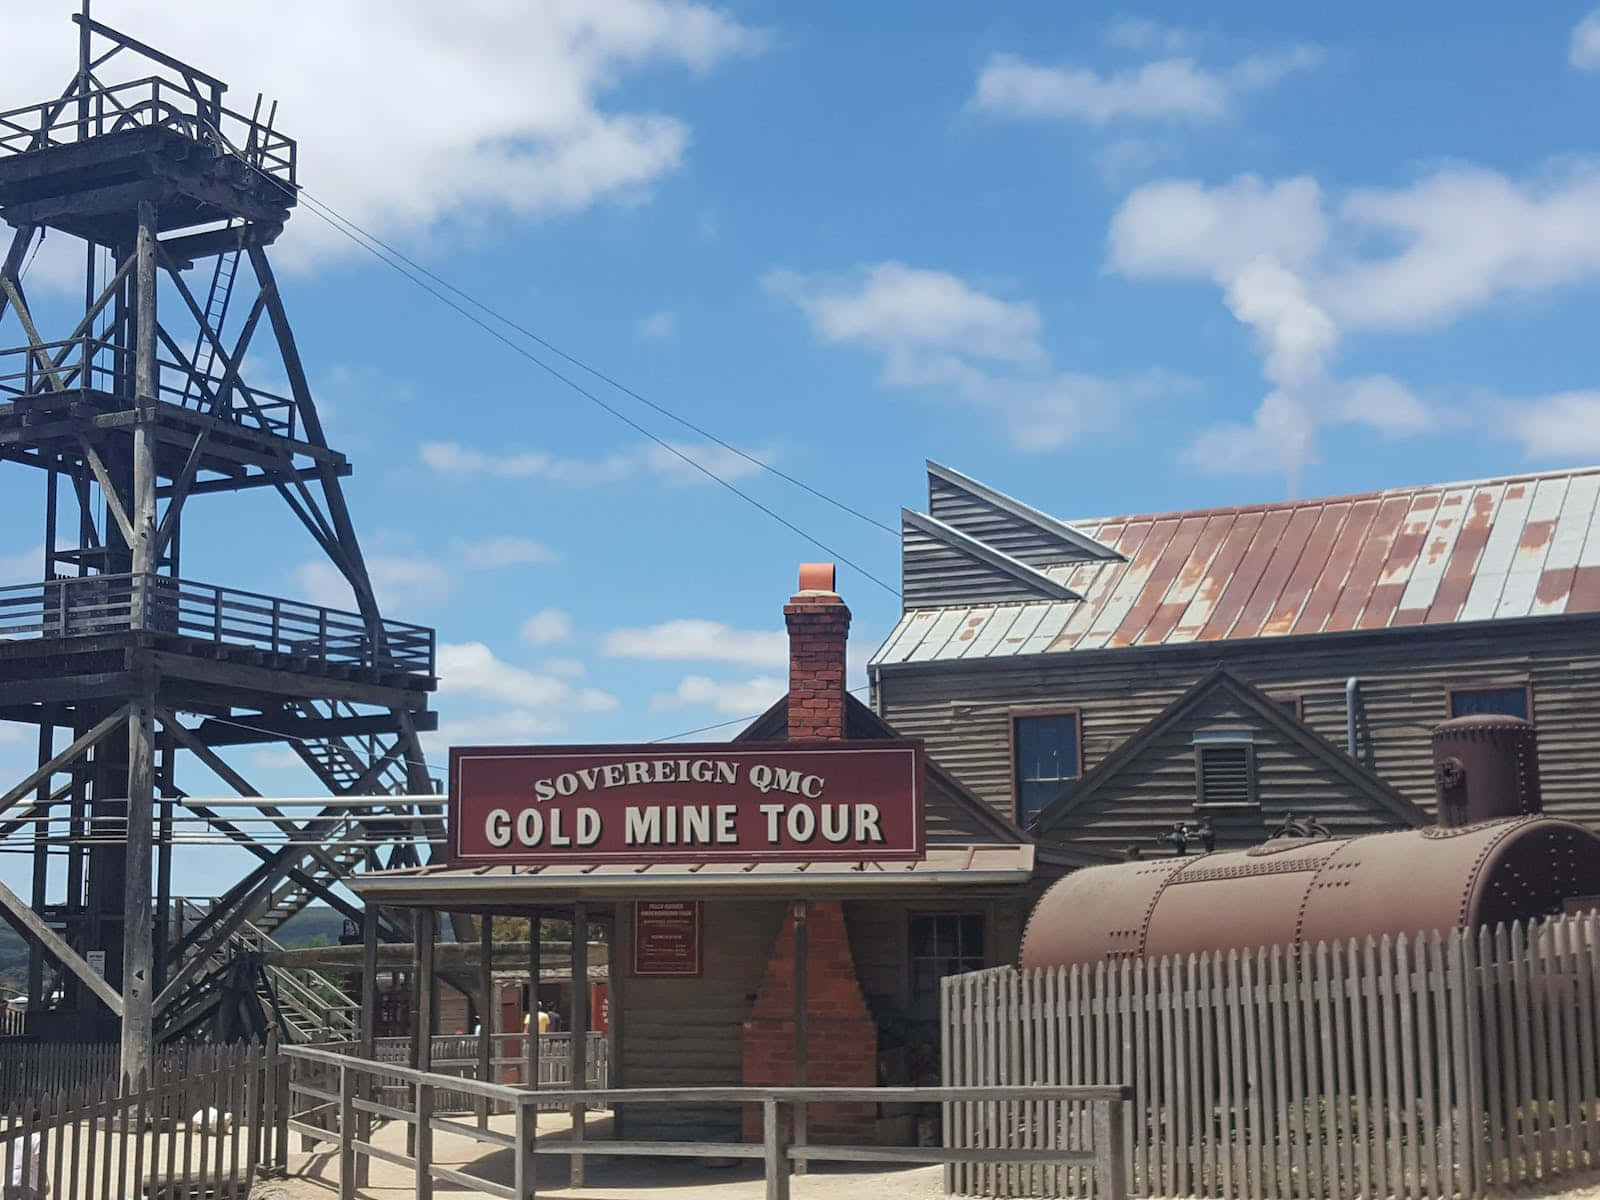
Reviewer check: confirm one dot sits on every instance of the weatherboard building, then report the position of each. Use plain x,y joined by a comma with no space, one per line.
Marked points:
818,854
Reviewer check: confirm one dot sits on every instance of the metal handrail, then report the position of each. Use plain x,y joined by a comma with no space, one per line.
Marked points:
346,1117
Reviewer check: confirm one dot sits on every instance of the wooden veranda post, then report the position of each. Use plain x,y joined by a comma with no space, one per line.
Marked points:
427,921
800,990
486,1010
580,1026
530,1044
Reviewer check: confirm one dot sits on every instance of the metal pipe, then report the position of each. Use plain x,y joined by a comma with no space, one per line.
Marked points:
1351,685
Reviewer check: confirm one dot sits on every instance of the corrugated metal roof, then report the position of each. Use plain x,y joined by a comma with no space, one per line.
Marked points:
1489,550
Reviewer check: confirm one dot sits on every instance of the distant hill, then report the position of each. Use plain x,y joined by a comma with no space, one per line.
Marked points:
316,923
312,924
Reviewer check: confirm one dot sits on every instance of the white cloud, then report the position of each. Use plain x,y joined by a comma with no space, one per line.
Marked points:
1167,89
471,669
1181,228
673,466
400,583
1139,33
898,308
659,326
1388,260
1585,50
699,640
1297,336
1277,441
748,697
509,727
1384,404
1465,236
566,668
410,114
504,551
546,626
936,330
1564,426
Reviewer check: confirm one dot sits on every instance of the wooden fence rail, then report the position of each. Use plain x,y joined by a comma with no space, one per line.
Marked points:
208,1129
1431,1066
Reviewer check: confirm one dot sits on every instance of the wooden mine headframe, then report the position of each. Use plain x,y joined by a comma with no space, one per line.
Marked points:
130,417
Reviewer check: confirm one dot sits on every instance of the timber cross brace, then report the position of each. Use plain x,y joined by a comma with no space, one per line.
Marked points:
139,404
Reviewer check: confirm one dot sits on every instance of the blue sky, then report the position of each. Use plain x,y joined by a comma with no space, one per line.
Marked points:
1102,258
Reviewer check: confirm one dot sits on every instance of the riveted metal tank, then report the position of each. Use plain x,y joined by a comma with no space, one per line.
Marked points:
1462,872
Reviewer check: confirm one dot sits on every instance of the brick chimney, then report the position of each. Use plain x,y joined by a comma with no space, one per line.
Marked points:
841,1036
819,627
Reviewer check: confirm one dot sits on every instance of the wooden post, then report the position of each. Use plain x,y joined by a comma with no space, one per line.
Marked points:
347,1145
775,1160
524,1164
580,1027
800,1026
368,1045
621,952
41,852
1110,1153
530,1045
486,1007
424,1151
138,954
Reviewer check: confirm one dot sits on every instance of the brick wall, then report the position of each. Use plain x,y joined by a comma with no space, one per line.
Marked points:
841,1038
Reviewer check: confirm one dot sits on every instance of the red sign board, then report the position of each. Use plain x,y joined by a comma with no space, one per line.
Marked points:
779,801
666,938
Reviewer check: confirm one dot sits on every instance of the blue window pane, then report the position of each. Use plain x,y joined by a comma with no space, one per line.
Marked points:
1031,797
1047,748
1509,702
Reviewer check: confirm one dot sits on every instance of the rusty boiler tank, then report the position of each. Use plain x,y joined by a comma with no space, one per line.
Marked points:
1492,856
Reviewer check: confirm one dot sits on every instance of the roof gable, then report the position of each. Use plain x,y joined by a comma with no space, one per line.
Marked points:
951,812
1010,526
1328,783
938,562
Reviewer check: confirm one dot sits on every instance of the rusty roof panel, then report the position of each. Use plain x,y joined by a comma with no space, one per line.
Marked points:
1364,572
1428,568
1566,547
1532,549
1462,567
1177,551
1326,589
1404,551
1236,593
1508,548
1287,550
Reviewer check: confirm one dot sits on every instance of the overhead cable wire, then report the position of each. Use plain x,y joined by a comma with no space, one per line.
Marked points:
589,395
331,214
672,737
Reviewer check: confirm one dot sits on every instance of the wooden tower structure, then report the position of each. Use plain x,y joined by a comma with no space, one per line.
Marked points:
130,666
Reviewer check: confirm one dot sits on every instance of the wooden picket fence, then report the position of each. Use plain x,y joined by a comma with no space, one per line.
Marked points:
207,1122
1430,1066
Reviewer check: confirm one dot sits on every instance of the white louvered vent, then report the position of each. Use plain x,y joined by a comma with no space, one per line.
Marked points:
1225,771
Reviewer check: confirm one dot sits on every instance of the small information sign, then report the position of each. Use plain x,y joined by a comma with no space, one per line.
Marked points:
666,938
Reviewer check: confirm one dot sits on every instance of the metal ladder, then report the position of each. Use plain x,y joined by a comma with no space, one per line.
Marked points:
205,357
